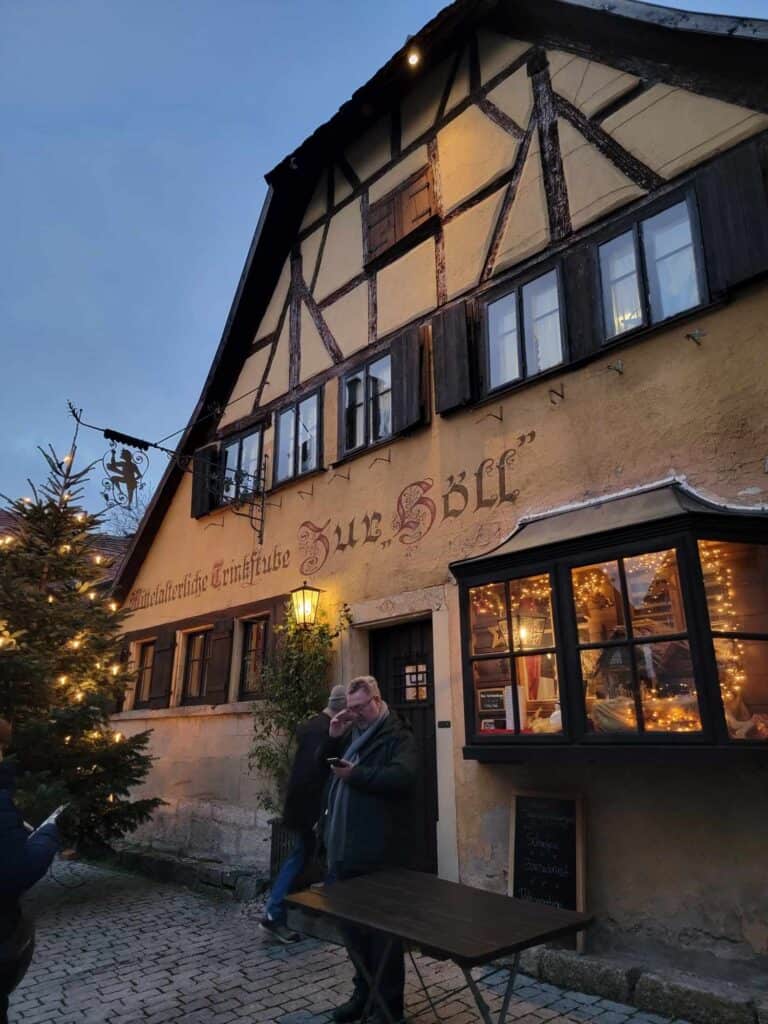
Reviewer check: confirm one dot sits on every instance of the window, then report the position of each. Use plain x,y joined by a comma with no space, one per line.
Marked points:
252,661
196,661
407,212
367,405
656,641
239,470
297,439
524,332
145,659
651,272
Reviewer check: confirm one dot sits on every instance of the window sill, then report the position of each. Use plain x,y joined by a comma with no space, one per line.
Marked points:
240,707
358,452
629,753
284,484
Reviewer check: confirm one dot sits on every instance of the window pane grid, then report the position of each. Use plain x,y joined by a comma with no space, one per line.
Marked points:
251,666
196,667
144,674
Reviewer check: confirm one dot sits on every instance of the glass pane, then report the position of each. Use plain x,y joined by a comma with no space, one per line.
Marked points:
308,434
541,311
671,262
493,687
253,656
608,695
285,434
380,385
736,585
599,610
667,686
654,593
144,681
503,351
195,654
354,409
488,619
621,293
531,613
537,694
415,682
742,666
250,463
229,457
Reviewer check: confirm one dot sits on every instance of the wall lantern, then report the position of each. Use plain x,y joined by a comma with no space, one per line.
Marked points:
305,600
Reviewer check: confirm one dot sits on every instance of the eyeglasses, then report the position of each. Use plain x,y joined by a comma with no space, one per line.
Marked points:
359,707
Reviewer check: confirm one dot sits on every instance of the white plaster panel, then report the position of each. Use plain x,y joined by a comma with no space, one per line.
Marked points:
402,170
472,151
314,355
271,316
407,288
594,184
371,151
277,380
318,204
466,243
497,52
419,108
672,129
347,319
343,253
514,96
587,84
528,227
460,88
249,378
310,248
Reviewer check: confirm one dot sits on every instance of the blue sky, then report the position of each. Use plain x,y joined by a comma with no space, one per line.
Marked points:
135,140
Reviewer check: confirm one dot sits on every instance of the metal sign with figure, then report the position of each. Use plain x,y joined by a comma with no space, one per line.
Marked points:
123,476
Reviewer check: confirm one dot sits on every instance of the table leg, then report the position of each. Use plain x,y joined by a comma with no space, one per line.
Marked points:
374,996
421,980
510,985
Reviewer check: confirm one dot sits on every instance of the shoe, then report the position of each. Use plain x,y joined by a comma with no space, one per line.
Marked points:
279,931
350,1011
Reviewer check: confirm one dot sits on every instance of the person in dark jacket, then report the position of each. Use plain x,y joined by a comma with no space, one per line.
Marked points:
302,810
24,859
366,826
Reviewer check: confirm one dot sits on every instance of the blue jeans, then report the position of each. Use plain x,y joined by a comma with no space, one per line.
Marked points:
286,876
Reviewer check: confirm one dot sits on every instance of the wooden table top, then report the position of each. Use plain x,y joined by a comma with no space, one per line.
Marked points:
468,925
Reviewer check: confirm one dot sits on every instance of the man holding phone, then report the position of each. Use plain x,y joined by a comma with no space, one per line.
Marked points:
24,859
372,756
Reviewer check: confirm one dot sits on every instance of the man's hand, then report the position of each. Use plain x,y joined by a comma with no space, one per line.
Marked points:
343,769
340,723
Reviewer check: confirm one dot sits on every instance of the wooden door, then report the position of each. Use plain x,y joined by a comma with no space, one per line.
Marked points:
401,660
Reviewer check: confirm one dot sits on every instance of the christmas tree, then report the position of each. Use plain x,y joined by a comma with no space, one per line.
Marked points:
62,671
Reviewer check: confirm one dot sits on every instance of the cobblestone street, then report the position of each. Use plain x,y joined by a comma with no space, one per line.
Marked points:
120,948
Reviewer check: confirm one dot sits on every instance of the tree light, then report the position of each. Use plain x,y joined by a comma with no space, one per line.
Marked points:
91,595
117,737
113,606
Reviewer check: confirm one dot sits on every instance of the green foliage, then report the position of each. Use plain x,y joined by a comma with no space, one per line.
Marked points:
295,684
61,666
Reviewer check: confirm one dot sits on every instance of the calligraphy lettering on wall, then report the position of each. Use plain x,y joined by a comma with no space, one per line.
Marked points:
490,485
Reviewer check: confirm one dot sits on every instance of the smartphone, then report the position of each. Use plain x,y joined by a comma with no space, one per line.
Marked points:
334,762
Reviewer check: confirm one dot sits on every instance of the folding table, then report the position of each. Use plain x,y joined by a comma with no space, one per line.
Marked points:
446,921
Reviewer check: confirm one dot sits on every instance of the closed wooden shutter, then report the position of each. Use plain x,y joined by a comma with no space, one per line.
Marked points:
162,669
451,358
408,401
734,218
381,227
415,202
204,478
582,302
217,677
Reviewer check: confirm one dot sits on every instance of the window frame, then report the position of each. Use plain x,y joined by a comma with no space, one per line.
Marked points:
245,625
516,287
575,742
188,636
363,367
140,646
403,240
294,406
239,497
634,224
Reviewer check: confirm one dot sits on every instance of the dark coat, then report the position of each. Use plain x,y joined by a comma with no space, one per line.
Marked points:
304,795
381,786
24,859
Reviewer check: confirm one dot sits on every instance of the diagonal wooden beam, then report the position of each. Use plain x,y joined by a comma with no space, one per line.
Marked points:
621,158
500,118
348,171
323,329
506,205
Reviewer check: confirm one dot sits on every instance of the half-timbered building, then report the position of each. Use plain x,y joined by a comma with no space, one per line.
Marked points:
494,377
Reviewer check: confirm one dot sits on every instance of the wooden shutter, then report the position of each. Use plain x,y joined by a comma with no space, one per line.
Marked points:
162,669
734,218
451,358
219,662
416,203
204,474
381,226
582,302
408,405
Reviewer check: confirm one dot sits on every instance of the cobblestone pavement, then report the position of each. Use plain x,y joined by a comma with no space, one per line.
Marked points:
120,948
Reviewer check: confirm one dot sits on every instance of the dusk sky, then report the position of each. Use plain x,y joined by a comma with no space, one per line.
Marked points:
135,140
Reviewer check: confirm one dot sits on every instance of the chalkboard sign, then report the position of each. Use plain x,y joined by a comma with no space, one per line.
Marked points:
546,849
